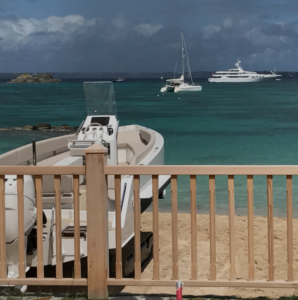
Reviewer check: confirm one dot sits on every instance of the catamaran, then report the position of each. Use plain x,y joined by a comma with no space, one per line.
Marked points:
179,84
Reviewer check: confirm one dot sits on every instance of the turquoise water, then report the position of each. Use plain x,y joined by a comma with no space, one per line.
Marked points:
227,124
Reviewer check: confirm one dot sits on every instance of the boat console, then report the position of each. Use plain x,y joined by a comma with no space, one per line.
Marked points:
101,130
101,124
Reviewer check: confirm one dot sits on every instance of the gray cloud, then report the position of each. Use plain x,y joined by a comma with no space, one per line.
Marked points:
120,44
268,16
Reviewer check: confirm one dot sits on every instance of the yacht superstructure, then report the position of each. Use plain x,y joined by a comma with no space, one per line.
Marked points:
239,75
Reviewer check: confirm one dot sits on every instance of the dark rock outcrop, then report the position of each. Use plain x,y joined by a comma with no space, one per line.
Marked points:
42,126
39,78
28,127
65,126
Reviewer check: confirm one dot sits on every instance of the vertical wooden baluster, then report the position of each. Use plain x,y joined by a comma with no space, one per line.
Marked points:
232,226
118,226
59,271
193,216
270,228
155,228
250,210
20,188
212,228
290,227
39,224
137,225
3,272
76,208
174,227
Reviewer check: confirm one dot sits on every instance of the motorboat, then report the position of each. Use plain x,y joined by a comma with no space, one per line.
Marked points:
239,75
127,145
119,79
180,84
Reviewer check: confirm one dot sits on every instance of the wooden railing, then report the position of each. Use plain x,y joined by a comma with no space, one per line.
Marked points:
98,279
20,171
212,172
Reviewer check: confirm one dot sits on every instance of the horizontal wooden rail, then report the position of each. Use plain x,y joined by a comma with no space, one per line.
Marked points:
205,283
38,170
45,281
201,170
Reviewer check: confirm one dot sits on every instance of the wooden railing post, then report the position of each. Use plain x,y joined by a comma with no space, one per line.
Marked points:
97,222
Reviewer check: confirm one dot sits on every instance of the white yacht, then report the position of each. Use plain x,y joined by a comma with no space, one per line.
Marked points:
239,75
127,145
179,84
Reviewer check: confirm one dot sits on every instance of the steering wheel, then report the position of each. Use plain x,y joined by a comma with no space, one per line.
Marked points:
95,134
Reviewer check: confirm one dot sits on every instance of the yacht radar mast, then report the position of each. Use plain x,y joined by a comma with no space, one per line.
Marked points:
237,64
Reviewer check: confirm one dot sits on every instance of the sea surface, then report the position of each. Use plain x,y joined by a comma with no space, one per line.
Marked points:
224,124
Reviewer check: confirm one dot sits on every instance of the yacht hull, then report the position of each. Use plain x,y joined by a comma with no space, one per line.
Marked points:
236,80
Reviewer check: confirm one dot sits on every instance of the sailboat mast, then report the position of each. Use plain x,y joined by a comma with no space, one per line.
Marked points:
188,65
182,55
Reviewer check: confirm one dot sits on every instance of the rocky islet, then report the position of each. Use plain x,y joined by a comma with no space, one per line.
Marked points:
38,78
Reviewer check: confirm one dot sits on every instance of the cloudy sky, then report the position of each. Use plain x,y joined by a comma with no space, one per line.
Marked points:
144,36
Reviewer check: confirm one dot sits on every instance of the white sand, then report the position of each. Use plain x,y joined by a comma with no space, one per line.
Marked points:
222,253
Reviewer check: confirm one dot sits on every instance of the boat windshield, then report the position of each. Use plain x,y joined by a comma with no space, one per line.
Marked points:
100,98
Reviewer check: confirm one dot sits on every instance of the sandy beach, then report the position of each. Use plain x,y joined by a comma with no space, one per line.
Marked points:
222,253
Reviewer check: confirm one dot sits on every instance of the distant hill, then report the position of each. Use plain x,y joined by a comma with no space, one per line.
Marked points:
197,74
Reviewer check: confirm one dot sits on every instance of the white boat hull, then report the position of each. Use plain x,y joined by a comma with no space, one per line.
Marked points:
187,88
166,89
181,88
226,79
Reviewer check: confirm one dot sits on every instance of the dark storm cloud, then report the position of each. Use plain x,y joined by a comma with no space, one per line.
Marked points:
217,32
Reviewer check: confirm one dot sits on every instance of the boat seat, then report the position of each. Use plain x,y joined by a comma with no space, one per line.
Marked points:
130,145
133,144
131,148
54,159
44,149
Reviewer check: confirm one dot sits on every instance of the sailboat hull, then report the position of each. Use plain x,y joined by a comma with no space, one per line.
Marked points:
167,88
187,88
